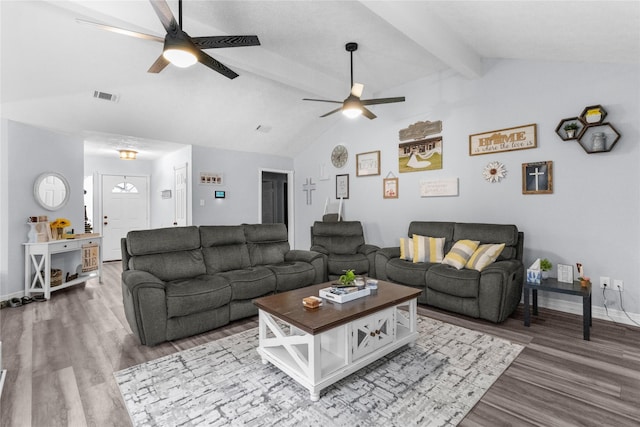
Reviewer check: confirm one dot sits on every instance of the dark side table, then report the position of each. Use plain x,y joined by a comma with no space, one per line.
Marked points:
552,285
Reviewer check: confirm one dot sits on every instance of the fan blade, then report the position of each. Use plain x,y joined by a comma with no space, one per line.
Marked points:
214,42
331,112
163,11
382,100
322,100
121,31
368,114
159,65
205,59
357,89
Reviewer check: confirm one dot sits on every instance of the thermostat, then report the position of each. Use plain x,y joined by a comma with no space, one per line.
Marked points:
220,194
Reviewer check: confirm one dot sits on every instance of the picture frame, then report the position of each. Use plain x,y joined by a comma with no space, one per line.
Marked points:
509,139
390,188
565,273
420,155
537,177
342,186
211,178
368,164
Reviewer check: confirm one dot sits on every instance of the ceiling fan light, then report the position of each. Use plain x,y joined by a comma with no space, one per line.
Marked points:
128,154
180,57
352,112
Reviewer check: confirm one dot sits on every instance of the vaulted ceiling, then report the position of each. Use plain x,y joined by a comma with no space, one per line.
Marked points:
51,65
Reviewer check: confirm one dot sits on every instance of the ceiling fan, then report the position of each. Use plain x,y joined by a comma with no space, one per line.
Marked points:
181,49
353,106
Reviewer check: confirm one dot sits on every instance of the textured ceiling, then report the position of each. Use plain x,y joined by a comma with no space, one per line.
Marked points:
51,65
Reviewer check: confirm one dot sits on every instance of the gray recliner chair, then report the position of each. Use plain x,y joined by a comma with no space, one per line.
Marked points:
344,246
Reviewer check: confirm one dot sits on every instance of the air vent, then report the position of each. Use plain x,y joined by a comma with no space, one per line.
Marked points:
105,96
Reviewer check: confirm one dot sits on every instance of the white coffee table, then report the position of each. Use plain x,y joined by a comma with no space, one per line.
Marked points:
317,347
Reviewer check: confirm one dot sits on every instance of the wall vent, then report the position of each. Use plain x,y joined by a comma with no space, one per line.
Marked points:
105,96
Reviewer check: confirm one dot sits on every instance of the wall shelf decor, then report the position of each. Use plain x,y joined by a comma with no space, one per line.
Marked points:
598,138
593,135
567,134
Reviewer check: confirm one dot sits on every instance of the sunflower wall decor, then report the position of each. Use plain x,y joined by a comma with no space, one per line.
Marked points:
494,172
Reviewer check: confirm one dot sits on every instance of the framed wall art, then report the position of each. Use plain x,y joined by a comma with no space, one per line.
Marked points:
368,163
210,178
510,139
537,178
390,188
421,155
342,186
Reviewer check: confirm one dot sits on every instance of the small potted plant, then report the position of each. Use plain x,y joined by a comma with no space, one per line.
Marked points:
570,129
347,278
545,266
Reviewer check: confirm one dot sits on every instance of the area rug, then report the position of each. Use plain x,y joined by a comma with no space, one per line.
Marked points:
224,383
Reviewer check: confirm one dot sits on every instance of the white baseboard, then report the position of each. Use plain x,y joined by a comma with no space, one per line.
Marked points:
609,314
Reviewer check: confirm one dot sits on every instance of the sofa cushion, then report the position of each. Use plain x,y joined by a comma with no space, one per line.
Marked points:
251,282
451,281
338,264
407,272
198,294
460,253
224,248
490,233
293,275
484,256
427,249
343,237
170,265
267,243
162,240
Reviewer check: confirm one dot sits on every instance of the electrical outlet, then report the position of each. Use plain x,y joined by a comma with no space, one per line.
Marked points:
618,285
605,282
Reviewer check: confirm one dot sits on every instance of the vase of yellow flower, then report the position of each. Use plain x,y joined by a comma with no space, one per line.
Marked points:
58,226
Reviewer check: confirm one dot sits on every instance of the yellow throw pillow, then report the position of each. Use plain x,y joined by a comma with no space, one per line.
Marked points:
484,255
406,248
427,249
460,253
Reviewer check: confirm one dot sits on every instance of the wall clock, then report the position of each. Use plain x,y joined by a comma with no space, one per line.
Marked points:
339,156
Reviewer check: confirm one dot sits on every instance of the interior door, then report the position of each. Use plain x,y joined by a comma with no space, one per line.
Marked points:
180,186
125,207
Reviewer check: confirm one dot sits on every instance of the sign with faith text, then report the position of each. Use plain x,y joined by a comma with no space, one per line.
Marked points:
518,138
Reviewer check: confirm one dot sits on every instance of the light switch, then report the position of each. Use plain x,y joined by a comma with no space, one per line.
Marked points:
201,202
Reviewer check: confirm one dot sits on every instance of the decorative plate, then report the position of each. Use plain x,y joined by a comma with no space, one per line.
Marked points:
494,172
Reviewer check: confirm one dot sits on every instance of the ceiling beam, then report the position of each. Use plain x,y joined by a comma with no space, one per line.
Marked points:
416,21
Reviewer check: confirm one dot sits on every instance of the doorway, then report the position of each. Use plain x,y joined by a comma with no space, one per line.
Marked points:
276,199
125,207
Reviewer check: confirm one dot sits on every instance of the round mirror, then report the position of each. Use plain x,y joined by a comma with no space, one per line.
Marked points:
51,191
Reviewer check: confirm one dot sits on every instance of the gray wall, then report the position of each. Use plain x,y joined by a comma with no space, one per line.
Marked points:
241,180
26,153
593,215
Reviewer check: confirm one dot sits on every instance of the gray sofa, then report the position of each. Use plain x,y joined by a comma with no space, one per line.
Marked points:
492,294
181,281
343,244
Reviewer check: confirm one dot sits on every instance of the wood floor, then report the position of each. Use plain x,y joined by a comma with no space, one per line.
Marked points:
61,355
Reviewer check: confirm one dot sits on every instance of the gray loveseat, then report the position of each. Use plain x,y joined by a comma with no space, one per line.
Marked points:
181,281
491,294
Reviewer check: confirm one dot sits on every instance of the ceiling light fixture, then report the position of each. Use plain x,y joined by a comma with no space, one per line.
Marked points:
179,51
128,154
352,107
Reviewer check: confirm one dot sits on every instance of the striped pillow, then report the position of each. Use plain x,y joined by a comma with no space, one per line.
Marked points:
460,253
484,255
406,248
427,249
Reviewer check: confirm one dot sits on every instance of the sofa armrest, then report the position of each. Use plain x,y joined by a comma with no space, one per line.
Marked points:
370,252
145,306
383,256
368,249
316,259
500,289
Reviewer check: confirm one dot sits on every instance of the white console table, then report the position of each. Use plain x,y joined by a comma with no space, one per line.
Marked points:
37,264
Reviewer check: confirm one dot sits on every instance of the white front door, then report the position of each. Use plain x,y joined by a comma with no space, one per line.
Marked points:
125,207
